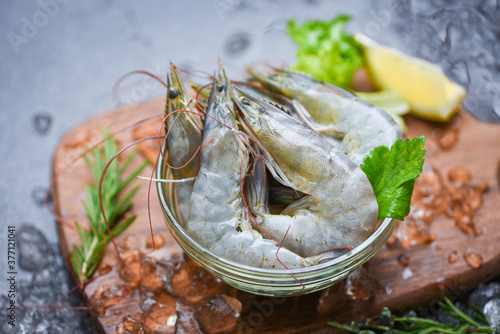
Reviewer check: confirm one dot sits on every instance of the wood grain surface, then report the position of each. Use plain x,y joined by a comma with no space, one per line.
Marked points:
432,276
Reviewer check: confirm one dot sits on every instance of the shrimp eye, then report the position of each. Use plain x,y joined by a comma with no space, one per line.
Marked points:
173,92
245,101
220,87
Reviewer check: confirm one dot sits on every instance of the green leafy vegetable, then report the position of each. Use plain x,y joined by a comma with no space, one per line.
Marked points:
325,52
85,258
392,173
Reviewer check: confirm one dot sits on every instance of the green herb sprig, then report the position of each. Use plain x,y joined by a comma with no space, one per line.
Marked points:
417,325
116,202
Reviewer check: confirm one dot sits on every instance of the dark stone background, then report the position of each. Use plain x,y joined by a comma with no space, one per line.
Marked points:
59,60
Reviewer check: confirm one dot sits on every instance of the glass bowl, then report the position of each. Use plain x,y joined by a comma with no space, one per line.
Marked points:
269,282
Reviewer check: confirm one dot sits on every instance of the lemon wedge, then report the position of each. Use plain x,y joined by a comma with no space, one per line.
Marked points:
424,86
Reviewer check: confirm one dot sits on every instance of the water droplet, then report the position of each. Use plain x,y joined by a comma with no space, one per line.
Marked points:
474,260
403,260
448,138
407,273
79,139
219,314
312,2
237,43
35,252
361,285
42,122
453,257
38,195
158,239
459,174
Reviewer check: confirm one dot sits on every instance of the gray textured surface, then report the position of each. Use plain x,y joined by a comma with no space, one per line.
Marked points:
60,59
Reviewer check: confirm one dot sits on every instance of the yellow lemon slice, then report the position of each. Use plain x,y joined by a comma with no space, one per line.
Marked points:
423,85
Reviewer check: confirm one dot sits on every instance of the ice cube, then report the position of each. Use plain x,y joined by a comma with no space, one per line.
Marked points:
361,285
35,252
332,299
193,283
160,312
492,312
218,314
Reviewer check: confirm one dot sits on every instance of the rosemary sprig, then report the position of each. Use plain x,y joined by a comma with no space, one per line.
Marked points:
116,202
417,325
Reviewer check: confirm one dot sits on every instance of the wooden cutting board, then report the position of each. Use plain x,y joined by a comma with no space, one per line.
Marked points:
432,276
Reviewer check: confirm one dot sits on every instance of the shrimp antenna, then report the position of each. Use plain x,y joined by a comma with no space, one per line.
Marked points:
197,97
162,143
277,258
118,82
198,73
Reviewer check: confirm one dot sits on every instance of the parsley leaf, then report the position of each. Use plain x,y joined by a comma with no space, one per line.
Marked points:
325,52
392,173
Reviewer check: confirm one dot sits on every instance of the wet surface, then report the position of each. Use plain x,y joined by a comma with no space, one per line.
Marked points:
457,197
42,122
486,297
332,299
46,282
361,285
452,258
161,294
35,252
448,138
237,44
58,65
484,293
38,195
473,259
492,312
403,260
219,314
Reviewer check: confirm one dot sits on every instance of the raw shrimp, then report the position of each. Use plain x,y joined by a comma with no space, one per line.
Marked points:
339,209
218,219
183,140
364,126
327,130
